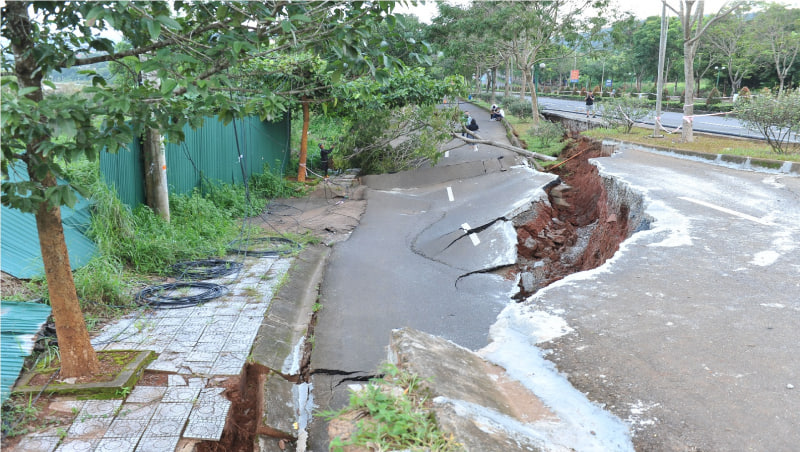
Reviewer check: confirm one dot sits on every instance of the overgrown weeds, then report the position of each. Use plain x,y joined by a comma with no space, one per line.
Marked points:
394,414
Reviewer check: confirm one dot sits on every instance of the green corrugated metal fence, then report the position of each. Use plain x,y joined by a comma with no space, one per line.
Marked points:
21,254
19,324
210,152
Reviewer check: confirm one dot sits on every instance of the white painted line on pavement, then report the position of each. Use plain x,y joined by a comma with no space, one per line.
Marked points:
726,210
475,240
446,154
450,194
465,227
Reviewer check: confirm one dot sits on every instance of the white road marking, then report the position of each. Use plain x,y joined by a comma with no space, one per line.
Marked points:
726,210
446,154
475,240
465,227
450,194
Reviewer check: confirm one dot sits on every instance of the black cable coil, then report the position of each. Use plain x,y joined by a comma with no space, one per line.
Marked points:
161,296
276,246
204,269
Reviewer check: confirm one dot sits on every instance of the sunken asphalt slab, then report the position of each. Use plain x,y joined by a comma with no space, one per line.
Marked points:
196,346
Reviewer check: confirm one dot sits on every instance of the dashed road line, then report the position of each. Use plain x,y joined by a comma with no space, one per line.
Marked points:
726,210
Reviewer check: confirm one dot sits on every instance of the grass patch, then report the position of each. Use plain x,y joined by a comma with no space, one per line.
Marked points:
391,413
709,144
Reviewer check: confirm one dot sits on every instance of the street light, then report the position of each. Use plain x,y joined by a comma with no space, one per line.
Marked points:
718,71
535,76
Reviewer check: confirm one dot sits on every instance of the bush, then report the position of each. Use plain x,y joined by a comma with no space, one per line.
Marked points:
775,117
548,132
519,108
713,97
624,112
744,93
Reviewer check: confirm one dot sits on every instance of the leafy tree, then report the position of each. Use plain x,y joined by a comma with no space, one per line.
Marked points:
733,38
624,111
778,31
396,124
777,118
694,25
536,30
185,51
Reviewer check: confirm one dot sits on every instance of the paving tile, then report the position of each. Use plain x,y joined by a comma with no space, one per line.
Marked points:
117,444
164,427
176,380
136,411
207,429
210,410
171,322
197,382
93,427
176,346
166,362
198,367
158,443
179,410
78,445
180,394
126,428
145,394
210,347
237,345
201,356
100,407
38,444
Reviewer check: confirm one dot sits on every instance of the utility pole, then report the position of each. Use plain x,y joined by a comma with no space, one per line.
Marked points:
662,50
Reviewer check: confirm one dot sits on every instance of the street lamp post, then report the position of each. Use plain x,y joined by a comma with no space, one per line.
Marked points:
716,86
535,77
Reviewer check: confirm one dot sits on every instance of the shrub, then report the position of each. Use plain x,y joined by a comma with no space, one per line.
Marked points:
713,97
519,108
624,112
744,93
775,117
548,132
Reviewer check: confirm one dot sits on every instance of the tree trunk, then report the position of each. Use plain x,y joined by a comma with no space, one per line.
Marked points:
507,81
301,171
534,103
687,132
77,355
156,191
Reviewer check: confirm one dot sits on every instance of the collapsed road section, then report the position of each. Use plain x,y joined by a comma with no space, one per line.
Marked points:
587,218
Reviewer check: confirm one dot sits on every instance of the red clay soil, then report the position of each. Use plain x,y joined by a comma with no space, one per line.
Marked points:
244,415
554,230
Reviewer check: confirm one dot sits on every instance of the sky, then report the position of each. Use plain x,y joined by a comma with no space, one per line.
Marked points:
640,8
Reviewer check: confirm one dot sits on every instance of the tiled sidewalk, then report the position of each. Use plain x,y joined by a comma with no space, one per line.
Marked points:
195,345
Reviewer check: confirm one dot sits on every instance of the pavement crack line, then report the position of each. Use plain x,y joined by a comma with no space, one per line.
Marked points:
483,270
476,230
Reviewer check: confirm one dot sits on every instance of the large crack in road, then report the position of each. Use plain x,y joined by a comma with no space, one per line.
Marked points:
587,218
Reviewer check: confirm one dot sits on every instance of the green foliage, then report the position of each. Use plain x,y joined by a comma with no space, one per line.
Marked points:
744,93
548,132
776,118
713,97
624,112
394,140
397,416
519,108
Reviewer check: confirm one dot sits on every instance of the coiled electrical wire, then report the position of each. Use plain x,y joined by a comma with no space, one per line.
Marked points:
161,297
204,269
276,246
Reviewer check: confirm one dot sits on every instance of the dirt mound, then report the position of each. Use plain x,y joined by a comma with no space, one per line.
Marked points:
578,231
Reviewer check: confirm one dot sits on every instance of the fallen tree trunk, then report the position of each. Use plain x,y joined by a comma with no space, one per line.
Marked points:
520,151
